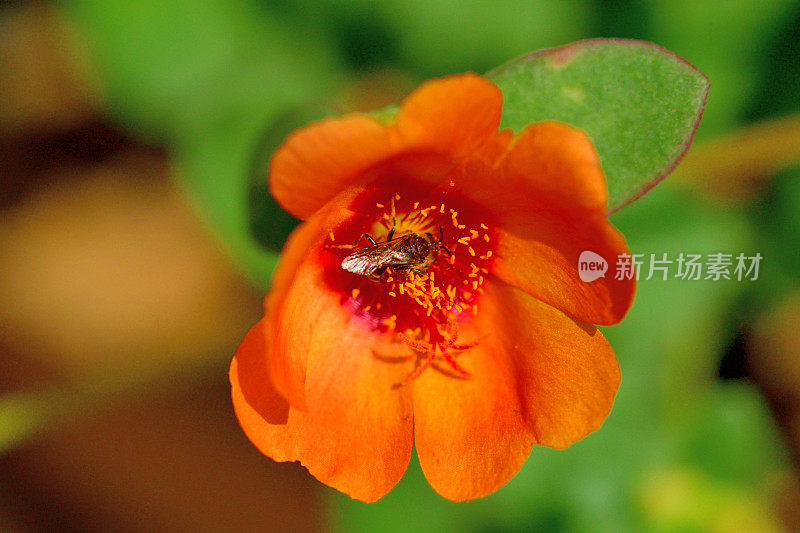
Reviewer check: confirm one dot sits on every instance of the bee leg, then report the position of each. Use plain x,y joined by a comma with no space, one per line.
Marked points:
369,238
443,247
418,271
391,234
441,233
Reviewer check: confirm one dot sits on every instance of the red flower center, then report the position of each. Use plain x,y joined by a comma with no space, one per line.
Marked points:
412,267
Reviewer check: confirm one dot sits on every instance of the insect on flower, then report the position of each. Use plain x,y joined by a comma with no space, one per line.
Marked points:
468,353
410,252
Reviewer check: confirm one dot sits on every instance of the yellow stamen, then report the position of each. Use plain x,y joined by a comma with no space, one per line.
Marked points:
471,251
355,293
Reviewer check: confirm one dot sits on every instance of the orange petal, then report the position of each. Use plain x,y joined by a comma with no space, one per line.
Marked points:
555,166
567,372
255,399
548,197
470,434
318,161
454,114
357,433
540,256
537,376
291,301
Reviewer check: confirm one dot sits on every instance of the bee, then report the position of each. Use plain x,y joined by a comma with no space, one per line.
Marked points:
410,252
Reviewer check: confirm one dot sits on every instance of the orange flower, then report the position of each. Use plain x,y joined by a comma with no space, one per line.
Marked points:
475,357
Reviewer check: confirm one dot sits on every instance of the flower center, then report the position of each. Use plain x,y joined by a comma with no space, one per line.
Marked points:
416,270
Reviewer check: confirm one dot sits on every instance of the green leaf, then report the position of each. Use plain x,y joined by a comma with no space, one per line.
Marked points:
639,103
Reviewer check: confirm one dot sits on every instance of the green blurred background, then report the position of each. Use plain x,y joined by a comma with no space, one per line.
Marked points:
138,236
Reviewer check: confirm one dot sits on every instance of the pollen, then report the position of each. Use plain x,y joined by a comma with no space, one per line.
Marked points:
426,297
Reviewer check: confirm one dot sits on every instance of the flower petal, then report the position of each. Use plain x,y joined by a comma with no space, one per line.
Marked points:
555,164
318,161
537,376
291,304
548,199
567,373
470,434
541,257
357,433
454,114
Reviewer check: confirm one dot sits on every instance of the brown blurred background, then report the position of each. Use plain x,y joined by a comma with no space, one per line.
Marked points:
106,272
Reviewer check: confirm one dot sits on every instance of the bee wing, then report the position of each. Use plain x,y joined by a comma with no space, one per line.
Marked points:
367,259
